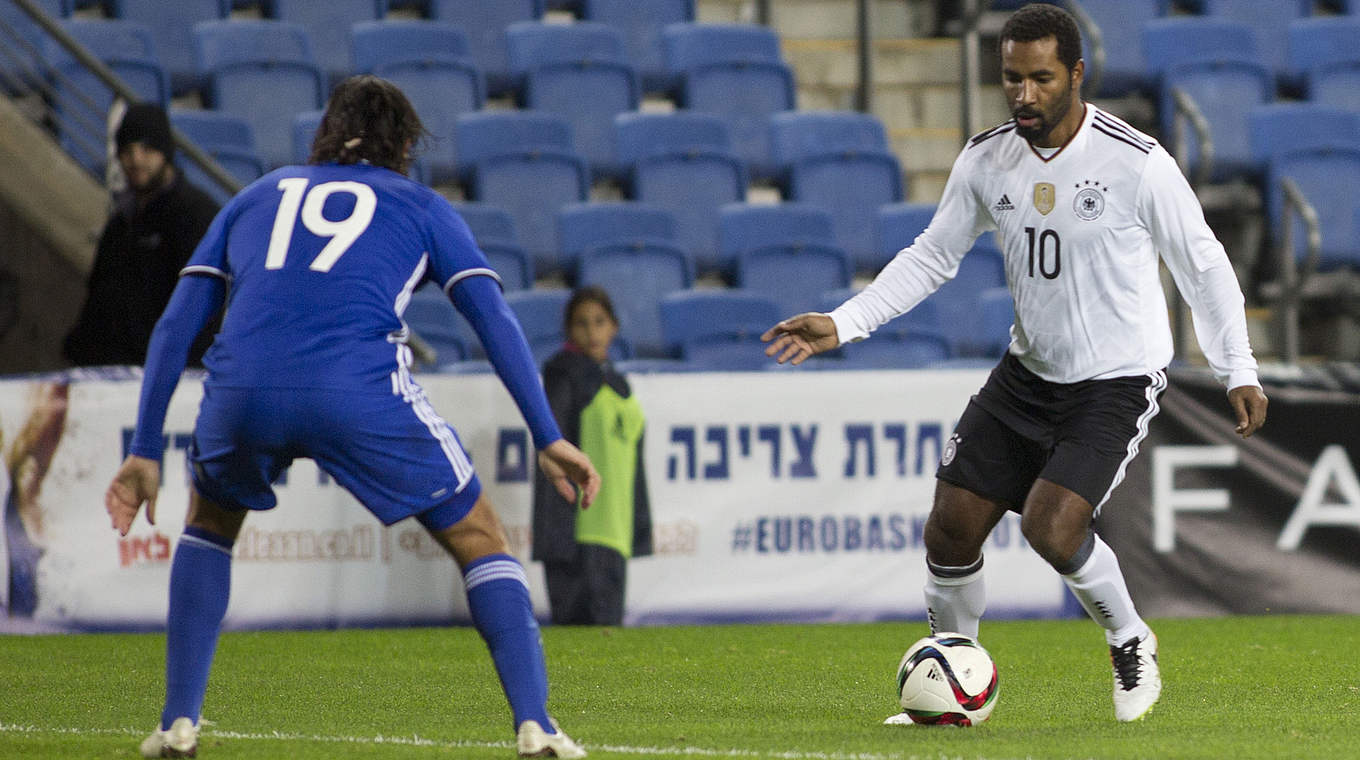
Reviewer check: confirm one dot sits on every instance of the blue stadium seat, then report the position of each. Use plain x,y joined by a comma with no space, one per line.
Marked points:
305,125
1284,126
996,314
744,226
328,27
540,313
678,162
840,162
727,351
485,24
1181,39
430,62
690,316
487,222
1319,172
1324,53
522,161
434,320
894,347
580,72
637,274
736,72
641,22
228,139
793,275
1224,91
980,269
1269,23
1124,71
81,100
898,224
263,72
19,31
172,25
582,226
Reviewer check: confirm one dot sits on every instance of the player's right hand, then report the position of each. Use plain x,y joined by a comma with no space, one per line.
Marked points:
797,338
138,480
568,468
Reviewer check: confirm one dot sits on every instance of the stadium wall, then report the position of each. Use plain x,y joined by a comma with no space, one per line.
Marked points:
777,496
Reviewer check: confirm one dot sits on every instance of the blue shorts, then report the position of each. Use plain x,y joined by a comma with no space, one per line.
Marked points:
395,454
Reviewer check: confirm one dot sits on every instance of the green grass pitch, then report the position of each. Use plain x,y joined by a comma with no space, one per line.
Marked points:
1237,688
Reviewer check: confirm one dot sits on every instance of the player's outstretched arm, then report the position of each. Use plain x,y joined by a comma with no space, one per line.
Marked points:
1249,405
138,480
568,468
801,336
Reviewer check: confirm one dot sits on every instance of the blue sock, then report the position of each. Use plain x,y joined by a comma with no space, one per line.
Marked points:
200,583
498,596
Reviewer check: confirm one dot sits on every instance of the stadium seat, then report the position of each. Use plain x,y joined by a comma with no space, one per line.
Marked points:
328,27
20,72
840,162
898,224
511,262
679,162
305,125
434,320
641,22
1123,71
637,274
982,268
690,316
1224,92
996,314
171,25
895,347
430,62
485,24
581,226
227,139
81,101
728,351
1269,23
736,72
487,222
1318,173
580,72
744,226
1180,39
263,72
540,313
522,161
794,275
1324,53
1279,127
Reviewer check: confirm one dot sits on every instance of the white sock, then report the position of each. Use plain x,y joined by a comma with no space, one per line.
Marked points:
955,598
1099,585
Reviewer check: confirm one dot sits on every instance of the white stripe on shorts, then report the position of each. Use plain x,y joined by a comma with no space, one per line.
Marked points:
1151,393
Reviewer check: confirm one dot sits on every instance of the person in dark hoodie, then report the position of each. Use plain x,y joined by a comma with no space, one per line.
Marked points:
156,223
585,553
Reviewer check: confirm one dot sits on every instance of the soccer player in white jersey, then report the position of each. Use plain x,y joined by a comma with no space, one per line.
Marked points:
318,263
1082,204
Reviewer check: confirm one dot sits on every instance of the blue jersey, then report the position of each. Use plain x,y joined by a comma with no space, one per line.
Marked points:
321,262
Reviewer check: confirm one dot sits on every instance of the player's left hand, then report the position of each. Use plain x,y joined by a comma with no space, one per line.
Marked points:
1249,404
138,480
568,468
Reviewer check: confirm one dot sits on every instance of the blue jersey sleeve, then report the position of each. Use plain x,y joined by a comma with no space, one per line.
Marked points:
195,301
479,299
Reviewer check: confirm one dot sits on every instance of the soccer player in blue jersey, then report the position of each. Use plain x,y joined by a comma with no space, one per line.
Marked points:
316,264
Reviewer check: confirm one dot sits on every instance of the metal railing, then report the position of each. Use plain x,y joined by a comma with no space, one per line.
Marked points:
1295,273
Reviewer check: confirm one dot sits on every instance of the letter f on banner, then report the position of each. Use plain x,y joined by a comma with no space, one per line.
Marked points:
1167,500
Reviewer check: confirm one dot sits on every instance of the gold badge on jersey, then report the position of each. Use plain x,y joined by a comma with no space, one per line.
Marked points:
1045,197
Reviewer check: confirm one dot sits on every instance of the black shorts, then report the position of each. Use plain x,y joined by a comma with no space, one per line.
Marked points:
1020,428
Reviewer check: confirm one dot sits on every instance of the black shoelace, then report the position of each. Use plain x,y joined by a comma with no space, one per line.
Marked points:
1127,666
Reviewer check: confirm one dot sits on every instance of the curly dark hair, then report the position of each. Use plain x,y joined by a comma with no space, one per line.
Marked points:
368,119
1039,20
584,295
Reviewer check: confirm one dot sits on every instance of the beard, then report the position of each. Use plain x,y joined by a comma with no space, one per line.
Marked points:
1045,121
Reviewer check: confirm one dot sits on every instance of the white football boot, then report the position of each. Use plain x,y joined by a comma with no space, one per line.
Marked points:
533,741
1137,680
179,740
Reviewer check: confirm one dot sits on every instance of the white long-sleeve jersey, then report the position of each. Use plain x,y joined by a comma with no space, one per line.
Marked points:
1081,231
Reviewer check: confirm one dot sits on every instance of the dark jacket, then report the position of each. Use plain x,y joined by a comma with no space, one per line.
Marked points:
136,266
572,381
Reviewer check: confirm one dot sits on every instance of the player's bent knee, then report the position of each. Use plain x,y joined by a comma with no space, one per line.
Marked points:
212,517
477,535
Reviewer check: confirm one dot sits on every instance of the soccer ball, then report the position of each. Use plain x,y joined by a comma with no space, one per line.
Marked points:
947,679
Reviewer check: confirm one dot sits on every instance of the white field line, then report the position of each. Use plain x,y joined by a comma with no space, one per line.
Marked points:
418,741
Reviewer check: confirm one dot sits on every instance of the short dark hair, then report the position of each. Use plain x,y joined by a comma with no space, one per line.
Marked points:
367,119
584,295
1039,20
